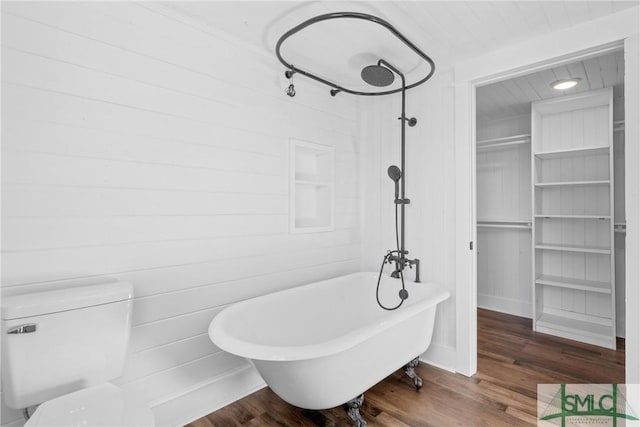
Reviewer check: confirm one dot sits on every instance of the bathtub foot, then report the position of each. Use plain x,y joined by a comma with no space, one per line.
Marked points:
410,370
353,410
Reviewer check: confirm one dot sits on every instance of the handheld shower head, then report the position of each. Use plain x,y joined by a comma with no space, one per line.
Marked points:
395,174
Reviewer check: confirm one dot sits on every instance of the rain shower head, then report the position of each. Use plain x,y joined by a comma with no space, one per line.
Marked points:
377,75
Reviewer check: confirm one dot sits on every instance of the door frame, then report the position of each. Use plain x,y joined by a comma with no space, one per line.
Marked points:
579,42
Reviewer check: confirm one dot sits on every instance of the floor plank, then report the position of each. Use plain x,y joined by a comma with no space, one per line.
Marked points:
512,360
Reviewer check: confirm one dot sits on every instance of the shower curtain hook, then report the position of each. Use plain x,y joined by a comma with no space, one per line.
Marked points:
291,90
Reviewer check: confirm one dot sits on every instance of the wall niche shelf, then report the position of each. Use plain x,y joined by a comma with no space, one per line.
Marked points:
573,228
311,187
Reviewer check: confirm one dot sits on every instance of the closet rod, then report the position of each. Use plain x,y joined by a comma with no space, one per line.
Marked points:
487,146
517,226
505,139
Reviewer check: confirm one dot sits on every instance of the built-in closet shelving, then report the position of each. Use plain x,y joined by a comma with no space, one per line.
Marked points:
573,217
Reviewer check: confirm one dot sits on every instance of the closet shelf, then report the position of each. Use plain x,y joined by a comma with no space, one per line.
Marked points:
571,216
571,183
572,152
551,322
573,248
571,283
524,224
509,141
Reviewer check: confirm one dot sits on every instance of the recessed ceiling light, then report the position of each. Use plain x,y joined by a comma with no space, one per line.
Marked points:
565,83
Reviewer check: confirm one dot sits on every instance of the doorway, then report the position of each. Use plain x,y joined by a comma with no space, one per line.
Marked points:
550,200
585,41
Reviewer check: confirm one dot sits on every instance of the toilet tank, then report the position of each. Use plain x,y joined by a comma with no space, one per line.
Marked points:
60,341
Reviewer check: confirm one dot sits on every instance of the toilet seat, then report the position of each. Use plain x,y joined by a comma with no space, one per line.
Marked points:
102,405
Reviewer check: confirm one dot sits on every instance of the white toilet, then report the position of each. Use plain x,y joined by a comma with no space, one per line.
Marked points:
59,349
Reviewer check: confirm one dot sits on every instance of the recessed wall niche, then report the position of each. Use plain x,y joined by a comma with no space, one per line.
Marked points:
311,190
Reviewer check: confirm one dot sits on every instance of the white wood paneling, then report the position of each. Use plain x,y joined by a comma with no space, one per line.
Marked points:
513,97
503,179
130,150
452,31
76,262
428,187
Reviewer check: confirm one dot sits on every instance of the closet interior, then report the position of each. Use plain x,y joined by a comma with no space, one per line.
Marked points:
550,199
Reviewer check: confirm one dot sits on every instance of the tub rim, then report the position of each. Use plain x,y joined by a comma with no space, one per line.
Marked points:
252,350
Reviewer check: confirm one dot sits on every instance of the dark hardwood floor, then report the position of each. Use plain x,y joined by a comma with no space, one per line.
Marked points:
512,360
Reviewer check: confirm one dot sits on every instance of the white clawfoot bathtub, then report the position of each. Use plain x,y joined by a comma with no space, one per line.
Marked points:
320,345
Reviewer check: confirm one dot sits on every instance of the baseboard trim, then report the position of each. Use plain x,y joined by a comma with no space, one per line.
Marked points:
197,403
440,356
505,305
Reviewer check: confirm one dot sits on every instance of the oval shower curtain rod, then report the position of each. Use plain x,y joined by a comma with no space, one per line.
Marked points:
356,15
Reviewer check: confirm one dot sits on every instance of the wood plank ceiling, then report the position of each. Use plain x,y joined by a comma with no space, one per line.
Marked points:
448,31
513,97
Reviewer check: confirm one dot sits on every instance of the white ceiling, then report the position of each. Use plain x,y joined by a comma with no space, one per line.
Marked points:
447,31
513,97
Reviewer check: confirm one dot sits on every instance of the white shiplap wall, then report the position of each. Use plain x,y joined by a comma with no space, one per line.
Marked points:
140,145
503,179
429,223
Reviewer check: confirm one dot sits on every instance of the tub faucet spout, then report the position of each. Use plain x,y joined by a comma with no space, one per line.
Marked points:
415,262
402,263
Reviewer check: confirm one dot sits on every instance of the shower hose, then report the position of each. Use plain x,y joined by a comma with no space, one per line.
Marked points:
403,293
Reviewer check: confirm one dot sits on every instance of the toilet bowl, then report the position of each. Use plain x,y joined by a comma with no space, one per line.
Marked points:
101,405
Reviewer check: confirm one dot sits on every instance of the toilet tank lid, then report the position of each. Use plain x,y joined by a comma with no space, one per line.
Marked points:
48,302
